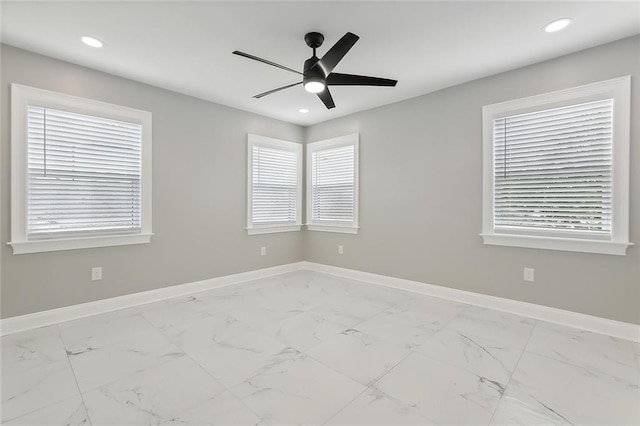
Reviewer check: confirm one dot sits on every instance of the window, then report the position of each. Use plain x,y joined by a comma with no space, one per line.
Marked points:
274,188
81,173
332,185
556,170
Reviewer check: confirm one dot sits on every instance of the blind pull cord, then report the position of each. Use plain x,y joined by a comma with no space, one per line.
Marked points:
44,142
504,137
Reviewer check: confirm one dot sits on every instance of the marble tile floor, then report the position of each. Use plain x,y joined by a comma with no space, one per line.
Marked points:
314,349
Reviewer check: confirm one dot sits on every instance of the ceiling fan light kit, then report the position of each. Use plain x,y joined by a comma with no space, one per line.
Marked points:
318,73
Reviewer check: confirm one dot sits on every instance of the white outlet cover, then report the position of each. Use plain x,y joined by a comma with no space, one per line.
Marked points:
96,273
529,274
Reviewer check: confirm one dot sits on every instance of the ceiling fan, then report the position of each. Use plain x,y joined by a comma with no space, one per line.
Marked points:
318,73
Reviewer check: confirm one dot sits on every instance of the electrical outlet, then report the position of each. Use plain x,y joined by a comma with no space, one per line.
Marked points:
96,273
263,251
340,249
528,274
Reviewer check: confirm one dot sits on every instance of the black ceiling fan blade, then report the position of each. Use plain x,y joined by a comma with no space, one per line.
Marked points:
336,53
258,96
336,79
264,61
325,97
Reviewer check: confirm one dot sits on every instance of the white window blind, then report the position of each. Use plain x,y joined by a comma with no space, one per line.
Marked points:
274,186
84,174
553,170
333,184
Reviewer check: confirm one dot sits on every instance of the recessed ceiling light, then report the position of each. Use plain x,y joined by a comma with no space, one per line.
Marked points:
90,41
303,110
557,25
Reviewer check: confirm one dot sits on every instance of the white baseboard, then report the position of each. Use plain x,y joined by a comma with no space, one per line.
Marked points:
606,326
68,313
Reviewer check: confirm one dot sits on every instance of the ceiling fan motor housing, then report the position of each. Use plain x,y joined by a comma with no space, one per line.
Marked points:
312,73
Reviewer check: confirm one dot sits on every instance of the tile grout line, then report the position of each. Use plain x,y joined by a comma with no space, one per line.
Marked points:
225,389
185,354
345,406
224,386
55,402
75,378
515,368
137,371
412,351
367,386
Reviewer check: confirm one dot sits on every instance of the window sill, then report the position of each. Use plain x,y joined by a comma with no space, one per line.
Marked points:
24,247
273,229
333,228
563,244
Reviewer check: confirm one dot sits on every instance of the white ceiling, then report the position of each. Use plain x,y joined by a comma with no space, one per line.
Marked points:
186,46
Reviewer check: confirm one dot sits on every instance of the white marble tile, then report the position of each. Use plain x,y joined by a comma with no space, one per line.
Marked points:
32,349
595,352
442,393
449,362
103,330
152,396
236,359
176,312
28,390
224,409
481,356
636,350
70,412
376,293
196,334
375,408
433,312
96,367
512,411
285,296
315,290
258,316
297,391
348,310
395,326
229,298
497,326
302,331
359,355
570,394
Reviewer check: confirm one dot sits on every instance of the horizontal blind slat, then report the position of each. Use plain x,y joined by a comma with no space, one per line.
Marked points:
84,173
274,185
553,168
333,184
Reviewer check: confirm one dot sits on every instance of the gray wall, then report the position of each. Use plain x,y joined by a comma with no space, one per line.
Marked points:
421,189
199,195
420,195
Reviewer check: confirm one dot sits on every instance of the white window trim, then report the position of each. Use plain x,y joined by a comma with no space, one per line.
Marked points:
253,140
617,89
331,226
21,98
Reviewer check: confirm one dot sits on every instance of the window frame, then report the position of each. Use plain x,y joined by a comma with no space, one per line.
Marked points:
334,226
257,140
617,89
21,98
